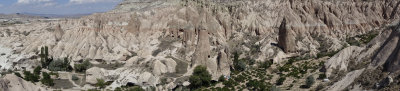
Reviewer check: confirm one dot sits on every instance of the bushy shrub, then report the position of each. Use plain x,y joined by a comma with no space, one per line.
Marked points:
256,85
60,65
101,83
37,70
238,64
31,77
83,67
75,78
46,80
229,83
240,78
280,80
221,78
322,76
266,64
200,77
309,81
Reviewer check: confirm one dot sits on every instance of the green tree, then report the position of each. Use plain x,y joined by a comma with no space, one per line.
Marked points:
221,78
200,77
309,81
37,70
46,80
31,77
238,64
44,59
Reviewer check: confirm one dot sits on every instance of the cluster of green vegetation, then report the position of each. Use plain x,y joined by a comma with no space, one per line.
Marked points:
329,54
309,82
253,79
280,80
18,74
60,65
31,77
51,64
45,60
200,78
35,76
322,76
299,70
46,80
241,64
101,83
362,39
83,66
266,64
258,85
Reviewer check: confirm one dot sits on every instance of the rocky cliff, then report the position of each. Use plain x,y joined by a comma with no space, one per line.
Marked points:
166,39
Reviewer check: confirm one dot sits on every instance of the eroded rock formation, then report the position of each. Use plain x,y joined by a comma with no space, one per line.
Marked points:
157,38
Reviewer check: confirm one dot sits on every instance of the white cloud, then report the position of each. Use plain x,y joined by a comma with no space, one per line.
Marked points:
90,1
31,1
49,4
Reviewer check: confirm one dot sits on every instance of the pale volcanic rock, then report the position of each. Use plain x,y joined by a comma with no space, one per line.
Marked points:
164,66
11,82
145,32
341,60
286,38
346,81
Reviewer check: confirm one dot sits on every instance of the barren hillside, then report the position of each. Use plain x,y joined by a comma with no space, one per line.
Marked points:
252,44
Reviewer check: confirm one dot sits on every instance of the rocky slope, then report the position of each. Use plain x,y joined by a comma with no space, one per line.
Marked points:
14,83
166,39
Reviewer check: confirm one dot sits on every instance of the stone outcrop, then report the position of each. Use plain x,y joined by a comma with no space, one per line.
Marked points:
286,38
158,37
389,53
13,83
341,60
381,52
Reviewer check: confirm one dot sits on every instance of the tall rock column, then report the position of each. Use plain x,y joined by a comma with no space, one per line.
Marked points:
202,52
286,39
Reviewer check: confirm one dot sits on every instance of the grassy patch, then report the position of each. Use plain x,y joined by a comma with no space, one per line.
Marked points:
360,40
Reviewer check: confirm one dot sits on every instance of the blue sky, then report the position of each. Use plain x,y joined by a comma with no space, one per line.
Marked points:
61,7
